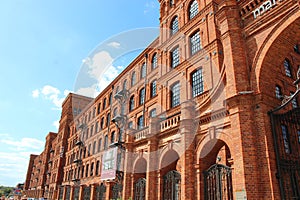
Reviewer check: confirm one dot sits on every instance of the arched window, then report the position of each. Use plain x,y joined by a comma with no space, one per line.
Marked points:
112,137
131,103
195,43
143,70
278,92
102,123
99,144
142,96
153,88
108,120
125,85
197,82
140,122
174,25
175,94
99,108
171,185
287,67
94,147
105,142
175,57
110,99
104,104
154,61
133,78
193,9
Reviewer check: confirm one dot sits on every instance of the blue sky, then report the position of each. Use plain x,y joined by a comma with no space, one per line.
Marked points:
42,46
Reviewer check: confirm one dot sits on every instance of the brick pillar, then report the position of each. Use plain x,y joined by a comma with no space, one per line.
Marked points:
81,192
71,192
187,130
93,192
198,179
159,184
64,192
108,191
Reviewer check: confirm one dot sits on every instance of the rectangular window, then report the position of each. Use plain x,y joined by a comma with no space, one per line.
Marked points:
141,122
197,82
142,96
195,43
175,95
153,88
175,57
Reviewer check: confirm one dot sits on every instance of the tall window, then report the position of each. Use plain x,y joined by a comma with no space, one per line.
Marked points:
152,113
142,96
193,9
102,123
110,99
286,140
195,43
112,137
171,186
175,57
197,82
175,94
105,142
278,92
174,25
125,85
133,78
94,147
131,103
153,88
104,103
99,144
97,167
287,68
108,119
130,125
143,70
154,61
140,122
294,101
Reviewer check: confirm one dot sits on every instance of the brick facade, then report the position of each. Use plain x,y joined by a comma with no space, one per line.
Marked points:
241,58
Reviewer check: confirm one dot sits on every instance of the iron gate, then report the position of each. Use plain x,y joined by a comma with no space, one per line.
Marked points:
139,189
286,136
117,191
100,192
61,192
68,193
171,186
218,183
87,193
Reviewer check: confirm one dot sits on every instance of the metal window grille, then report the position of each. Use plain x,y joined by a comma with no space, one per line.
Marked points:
174,25
195,43
154,61
139,189
193,10
286,140
153,88
175,95
171,186
175,57
100,192
87,193
197,82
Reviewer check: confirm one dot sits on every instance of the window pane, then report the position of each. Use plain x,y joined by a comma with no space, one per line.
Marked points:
131,103
133,79
154,61
195,43
175,95
141,122
142,96
153,88
294,101
197,83
287,67
278,92
153,113
193,9
175,57
143,70
174,26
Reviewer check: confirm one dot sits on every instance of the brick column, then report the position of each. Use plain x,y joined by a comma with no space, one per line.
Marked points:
198,178
93,192
187,130
64,192
159,184
81,192
71,192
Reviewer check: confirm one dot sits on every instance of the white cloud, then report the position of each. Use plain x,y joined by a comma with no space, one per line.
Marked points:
35,93
114,45
56,124
13,164
52,94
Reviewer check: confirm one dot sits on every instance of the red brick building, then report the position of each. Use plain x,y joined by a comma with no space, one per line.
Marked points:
190,114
